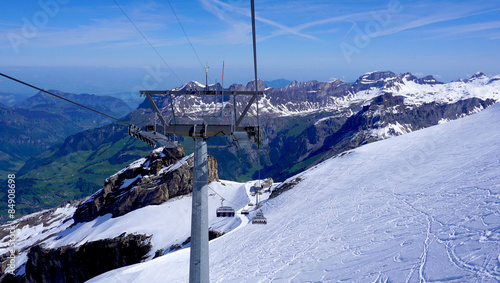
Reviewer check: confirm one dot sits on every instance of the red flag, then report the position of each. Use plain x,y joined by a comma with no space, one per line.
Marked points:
222,69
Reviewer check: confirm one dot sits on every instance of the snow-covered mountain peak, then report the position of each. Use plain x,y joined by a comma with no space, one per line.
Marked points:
478,75
375,76
192,85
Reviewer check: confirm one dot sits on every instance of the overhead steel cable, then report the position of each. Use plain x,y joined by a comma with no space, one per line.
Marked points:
151,45
254,40
65,99
184,31
187,37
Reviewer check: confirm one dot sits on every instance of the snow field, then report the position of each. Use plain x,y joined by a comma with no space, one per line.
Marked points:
419,207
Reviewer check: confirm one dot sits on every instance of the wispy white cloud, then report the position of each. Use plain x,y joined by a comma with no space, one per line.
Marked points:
476,29
219,8
337,19
412,16
418,18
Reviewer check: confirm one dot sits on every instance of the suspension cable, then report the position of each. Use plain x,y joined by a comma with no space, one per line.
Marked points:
252,7
151,45
183,30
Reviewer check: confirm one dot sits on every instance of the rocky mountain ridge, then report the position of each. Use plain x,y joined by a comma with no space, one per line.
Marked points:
153,180
303,98
164,174
298,122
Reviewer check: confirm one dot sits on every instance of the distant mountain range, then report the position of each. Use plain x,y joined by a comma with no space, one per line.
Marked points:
40,121
303,123
113,104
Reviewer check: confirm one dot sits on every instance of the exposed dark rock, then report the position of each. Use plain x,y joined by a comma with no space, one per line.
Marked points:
373,79
478,75
159,253
9,278
139,186
187,241
429,80
78,264
260,84
174,247
213,234
285,186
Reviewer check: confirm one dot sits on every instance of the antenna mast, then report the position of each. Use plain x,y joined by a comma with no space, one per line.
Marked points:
206,77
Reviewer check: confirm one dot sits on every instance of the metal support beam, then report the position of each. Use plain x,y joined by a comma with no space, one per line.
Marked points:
199,260
238,121
244,113
153,104
203,130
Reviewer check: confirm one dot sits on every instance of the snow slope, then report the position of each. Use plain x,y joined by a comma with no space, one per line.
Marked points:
169,223
420,207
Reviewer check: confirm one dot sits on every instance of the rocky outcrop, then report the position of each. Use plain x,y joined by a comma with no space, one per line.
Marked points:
78,264
373,79
164,174
285,186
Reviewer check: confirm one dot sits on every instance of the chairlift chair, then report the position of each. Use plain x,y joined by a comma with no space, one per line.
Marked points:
225,211
259,218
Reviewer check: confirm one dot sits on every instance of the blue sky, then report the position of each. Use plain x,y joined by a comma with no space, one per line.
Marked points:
90,46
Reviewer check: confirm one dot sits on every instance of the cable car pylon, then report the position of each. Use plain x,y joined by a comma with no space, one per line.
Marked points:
243,135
